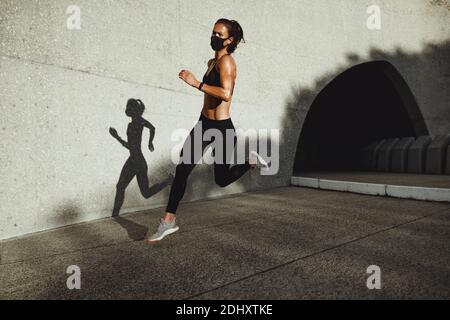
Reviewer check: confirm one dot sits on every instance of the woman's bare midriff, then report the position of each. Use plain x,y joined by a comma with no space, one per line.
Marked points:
215,109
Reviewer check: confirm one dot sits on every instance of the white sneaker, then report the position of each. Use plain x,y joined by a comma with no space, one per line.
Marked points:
257,160
164,229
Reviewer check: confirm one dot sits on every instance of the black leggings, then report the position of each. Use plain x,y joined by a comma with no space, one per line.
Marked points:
224,173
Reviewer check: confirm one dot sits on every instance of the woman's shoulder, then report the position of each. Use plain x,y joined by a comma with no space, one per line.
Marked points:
227,60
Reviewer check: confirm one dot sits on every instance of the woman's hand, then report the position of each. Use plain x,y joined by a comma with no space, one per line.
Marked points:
113,132
189,78
151,147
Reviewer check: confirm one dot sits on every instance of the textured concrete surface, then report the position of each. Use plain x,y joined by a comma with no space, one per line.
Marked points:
400,155
447,165
369,158
417,154
436,154
284,243
61,89
384,155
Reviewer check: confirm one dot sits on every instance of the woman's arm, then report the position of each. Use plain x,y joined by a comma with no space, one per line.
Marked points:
227,70
123,142
114,133
152,134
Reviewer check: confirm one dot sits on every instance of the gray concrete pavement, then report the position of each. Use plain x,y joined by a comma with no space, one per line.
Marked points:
284,243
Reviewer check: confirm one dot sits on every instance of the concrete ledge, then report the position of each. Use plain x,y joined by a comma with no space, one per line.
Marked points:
366,188
406,192
332,185
418,193
305,182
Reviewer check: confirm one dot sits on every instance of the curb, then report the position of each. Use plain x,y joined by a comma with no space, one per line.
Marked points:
378,189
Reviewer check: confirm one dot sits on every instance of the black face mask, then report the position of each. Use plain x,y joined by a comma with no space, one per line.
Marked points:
217,43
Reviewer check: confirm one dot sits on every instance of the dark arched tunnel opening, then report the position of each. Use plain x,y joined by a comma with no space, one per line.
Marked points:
365,103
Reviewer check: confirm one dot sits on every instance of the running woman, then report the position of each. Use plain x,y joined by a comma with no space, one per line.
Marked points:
217,85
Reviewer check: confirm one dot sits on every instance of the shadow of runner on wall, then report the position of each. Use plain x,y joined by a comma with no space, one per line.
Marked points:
136,164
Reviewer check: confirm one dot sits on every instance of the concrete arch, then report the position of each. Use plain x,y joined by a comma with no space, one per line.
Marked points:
366,102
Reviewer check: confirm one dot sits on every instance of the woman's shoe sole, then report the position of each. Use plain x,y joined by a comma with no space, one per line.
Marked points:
165,233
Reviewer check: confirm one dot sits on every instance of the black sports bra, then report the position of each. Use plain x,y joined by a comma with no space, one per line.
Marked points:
213,77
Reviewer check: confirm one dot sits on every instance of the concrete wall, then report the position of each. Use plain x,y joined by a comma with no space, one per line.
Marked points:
60,89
